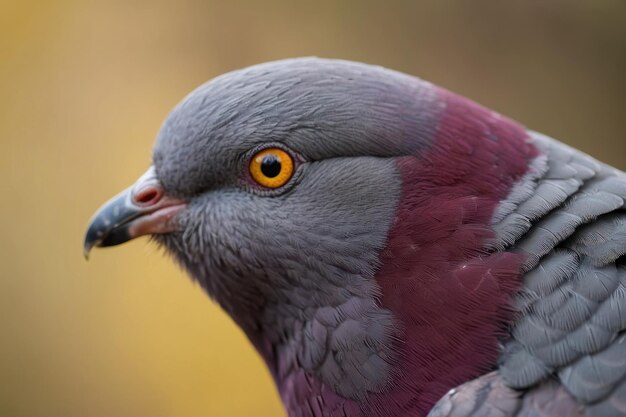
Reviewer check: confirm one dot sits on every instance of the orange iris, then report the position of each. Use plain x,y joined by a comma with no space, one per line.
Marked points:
272,167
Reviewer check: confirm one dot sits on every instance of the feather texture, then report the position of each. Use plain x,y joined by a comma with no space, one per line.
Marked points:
569,339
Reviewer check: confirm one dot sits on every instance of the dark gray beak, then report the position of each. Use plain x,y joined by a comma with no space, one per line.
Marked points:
141,209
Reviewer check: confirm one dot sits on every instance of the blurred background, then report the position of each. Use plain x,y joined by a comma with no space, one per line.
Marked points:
84,88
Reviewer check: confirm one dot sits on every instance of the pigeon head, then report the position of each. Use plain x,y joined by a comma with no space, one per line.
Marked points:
289,175
282,189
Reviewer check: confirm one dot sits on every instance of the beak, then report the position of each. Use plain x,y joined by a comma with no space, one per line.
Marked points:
141,209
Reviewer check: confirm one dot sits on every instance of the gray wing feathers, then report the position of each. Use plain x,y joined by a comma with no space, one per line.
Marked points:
557,177
486,396
604,240
489,396
568,221
594,376
567,310
612,406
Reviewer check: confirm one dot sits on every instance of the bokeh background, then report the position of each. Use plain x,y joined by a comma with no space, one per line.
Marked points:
84,86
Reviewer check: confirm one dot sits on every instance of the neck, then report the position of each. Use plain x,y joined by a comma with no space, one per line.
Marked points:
449,294
438,277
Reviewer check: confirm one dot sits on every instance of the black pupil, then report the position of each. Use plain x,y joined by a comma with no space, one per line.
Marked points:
270,166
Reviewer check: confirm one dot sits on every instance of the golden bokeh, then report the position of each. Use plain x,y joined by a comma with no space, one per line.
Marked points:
84,88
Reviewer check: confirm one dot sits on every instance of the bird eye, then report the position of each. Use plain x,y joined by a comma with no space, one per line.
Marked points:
271,167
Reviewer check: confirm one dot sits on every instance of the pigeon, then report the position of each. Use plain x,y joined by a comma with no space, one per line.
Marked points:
391,248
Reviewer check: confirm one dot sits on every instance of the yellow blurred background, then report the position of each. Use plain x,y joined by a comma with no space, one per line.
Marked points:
84,88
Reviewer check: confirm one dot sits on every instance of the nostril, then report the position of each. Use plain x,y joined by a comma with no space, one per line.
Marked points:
148,196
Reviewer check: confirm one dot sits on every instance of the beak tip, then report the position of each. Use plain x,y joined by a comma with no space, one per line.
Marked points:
92,238
87,246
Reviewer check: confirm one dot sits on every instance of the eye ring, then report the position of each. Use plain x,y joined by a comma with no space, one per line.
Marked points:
271,167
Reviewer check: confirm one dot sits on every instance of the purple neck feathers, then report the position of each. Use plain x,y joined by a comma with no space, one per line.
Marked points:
451,295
